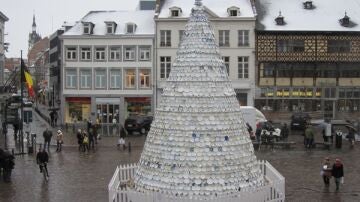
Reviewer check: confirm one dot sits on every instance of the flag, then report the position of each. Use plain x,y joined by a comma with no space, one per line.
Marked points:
28,80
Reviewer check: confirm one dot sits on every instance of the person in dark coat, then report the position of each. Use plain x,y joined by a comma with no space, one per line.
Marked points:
338,139
92,137
16,130
80,139
338,172
42,158
6,164
284,132
47,134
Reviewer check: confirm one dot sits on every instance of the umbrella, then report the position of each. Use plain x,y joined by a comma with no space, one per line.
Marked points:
350,127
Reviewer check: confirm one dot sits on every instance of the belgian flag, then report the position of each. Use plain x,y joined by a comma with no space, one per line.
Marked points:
28,80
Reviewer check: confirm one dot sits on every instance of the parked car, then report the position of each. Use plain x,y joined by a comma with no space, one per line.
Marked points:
299,120
138,123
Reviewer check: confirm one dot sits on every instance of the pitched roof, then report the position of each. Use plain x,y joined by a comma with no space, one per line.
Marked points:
3,16
218,7
324,16
144,21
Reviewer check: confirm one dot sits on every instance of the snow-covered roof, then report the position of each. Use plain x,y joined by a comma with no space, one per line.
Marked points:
144,21
324,16
218,7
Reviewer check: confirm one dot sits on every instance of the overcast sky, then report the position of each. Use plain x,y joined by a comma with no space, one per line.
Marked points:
50,15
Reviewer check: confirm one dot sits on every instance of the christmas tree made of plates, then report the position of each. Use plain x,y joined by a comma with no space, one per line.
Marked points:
198,145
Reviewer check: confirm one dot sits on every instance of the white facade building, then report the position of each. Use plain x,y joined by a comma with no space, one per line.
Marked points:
107,68
234,25
3,19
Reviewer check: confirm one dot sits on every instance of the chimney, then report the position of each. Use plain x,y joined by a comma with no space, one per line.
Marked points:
345,21
308,5
280,19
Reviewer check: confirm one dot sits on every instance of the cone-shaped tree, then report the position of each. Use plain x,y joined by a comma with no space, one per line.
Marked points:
198,144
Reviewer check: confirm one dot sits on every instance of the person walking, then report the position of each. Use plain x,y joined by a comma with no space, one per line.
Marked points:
6,164
47,134
309,134
56,116
338,138
92,137
52,118
59,140
338,173
42,158
351,137
85,142
326,171
80,138
284,132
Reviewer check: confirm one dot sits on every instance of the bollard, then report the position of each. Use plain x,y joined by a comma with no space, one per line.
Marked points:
129,147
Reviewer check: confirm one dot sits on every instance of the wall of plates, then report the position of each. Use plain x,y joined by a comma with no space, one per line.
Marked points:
198,145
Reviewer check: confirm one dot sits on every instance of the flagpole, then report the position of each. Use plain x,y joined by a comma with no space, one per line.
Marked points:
22,104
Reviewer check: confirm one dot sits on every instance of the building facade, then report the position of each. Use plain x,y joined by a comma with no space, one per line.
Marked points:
3,19
308,63
234,25
107,67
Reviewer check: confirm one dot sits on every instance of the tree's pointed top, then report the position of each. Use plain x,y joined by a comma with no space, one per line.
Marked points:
198,2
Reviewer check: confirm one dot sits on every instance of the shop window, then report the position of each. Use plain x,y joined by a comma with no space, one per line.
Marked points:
144,78
130,78
267,69
283,70
77,109
330,92
115,79
100,78
326,70
138,105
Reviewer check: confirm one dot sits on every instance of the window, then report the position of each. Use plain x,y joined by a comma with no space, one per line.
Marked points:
165,67
339,46
290,45
85,79
100,78
85,53
165,38
144,53
233,12
243,67
175,13
115,53
227,64
144,77
243,38
110,27
326,70
87,27
129,53
71,78
349,70
100,53
283,70
224,37
303,70
267,69
130,78
115,79
181,34
71,53
130,28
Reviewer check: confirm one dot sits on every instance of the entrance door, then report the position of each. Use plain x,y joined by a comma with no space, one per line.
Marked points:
108,118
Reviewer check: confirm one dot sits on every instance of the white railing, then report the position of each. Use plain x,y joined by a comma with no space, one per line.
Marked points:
272,191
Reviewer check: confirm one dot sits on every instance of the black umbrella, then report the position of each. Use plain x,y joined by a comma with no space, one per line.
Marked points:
350,127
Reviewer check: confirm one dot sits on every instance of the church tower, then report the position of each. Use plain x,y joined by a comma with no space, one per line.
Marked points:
33,36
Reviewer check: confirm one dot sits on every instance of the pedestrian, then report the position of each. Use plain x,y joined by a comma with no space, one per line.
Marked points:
338,173
122,132
88,125
338,138
55,118
284,132
121,143
258,133
52,118
92,137
59,140
80,139
309,134
326,171
47,134
351,137
6,164
16,130
85,142
42,158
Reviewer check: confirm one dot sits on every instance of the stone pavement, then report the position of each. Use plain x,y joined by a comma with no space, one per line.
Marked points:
77,176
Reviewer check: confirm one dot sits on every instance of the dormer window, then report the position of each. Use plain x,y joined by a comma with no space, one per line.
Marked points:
280,19
130,28
175,11
88,27
233,11
345,21
110,27
308,5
